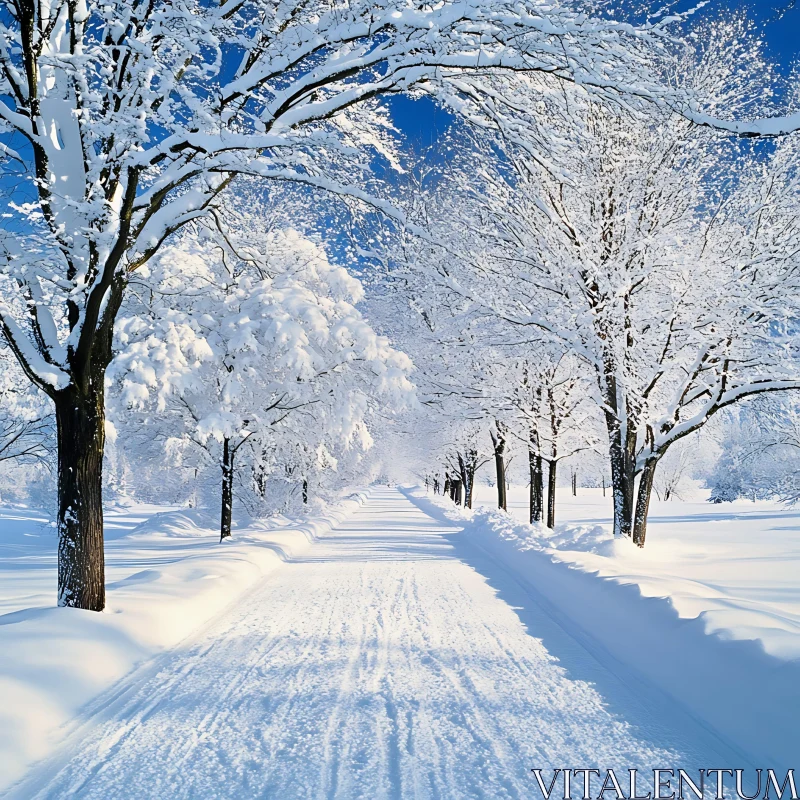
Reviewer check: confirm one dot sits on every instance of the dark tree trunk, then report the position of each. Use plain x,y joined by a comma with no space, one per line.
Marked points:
261,480
469,488
551,493
536,487
552,463
457,492
226,515
305,491
467,465
536,477
574,484
621,451
499,443
80,420
643,501
446,491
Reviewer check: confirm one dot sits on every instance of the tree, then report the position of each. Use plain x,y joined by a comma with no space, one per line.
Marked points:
498,435
126,120
265,353
670,345
26,427
673,285
678,467
552,399
760,444
463,459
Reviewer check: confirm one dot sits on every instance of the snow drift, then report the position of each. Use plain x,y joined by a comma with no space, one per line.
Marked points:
167,578
738,674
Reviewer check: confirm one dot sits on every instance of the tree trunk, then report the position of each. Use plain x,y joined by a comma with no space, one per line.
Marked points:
447,486
622,481
643,501
536,487
551,493
305,491
466,467
499,443
457,492
80,420
621,447
226,516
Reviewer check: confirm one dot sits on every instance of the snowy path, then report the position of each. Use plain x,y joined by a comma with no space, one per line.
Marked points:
381,665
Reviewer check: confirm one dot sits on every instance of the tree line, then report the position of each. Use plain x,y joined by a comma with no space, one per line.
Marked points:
127,126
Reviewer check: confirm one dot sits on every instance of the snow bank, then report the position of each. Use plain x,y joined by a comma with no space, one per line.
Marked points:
167,576
733,565
740,681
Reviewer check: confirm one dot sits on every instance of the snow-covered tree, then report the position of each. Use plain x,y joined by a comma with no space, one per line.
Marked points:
551,395
760,452
26,424
124,120
674,283
257,349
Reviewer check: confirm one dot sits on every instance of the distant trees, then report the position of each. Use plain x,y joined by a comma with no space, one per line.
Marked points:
760,452
554,415
124,121
663,260
27,433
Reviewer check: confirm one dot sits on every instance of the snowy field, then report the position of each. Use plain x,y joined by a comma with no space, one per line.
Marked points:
286,258
736,565
397,647
708,612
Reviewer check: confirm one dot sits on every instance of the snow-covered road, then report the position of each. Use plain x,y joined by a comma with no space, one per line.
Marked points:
382,664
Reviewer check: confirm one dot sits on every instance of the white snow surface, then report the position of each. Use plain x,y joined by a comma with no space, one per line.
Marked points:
407,651
733,565
167,574
708,612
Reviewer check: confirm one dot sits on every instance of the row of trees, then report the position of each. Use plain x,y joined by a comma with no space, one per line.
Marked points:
125,125
655,259
245,344
124,122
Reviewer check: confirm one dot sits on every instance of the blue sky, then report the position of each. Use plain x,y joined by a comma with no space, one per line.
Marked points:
782,32
423,123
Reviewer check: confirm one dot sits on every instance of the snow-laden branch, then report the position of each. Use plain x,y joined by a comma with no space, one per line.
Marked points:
771,127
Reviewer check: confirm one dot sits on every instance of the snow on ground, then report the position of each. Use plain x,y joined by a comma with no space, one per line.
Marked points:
167,574
403,649
708,612
736,565
390,659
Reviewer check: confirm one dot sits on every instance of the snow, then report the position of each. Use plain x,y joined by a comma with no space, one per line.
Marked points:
166,576
389,659
770,127
733,564
396,647
708,612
